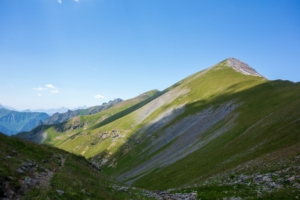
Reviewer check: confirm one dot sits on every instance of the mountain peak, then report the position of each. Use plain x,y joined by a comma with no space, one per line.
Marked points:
241,67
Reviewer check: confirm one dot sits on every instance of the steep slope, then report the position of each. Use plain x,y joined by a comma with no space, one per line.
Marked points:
62,117
205,128
12,122
32,171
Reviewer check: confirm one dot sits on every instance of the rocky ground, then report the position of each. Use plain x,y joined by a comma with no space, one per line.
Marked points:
268,177
159,195
30,175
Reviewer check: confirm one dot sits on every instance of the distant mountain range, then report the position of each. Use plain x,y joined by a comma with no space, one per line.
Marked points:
49,111
7,107
12,122
62,117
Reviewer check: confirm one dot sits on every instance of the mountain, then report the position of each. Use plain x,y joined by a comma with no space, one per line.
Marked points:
7,107
49,111
12,122
62,117
224,132
7,131
80,107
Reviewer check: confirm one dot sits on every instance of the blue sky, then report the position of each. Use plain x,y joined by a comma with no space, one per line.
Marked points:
65,53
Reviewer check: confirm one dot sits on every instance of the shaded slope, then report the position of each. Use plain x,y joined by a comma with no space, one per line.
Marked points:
256,128
169,147
173,131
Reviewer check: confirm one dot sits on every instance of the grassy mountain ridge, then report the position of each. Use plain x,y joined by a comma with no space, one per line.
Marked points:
205,126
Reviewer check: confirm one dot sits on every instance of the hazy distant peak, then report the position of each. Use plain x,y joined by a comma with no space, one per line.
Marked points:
242,67
6,107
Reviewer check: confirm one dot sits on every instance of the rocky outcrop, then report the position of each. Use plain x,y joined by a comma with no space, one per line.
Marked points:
30,175
159,195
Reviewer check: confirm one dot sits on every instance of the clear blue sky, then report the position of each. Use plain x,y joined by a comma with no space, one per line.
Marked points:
63,53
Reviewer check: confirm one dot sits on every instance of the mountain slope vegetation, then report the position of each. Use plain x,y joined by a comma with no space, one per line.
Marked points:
203,133
34,171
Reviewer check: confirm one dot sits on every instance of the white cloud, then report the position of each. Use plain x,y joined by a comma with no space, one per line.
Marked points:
40,88
39,95
98,96
50,86
47,87
76,0
59,1
54,91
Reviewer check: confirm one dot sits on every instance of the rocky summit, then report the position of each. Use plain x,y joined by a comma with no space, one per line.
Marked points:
242,67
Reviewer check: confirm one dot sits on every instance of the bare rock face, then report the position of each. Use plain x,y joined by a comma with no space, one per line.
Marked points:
242,67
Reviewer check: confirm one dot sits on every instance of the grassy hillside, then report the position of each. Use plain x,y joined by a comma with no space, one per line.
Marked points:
32,171
203,133
68,135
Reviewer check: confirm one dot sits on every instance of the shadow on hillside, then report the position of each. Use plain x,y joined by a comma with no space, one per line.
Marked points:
257,100
126,111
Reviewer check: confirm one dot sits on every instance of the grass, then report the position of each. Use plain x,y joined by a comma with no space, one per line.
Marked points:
235,145
266,121
77,177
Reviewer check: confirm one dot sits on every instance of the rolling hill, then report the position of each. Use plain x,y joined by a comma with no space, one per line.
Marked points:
224,132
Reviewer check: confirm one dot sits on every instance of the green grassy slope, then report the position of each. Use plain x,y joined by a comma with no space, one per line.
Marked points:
79,131
267,121
205,89
207,125
32,171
